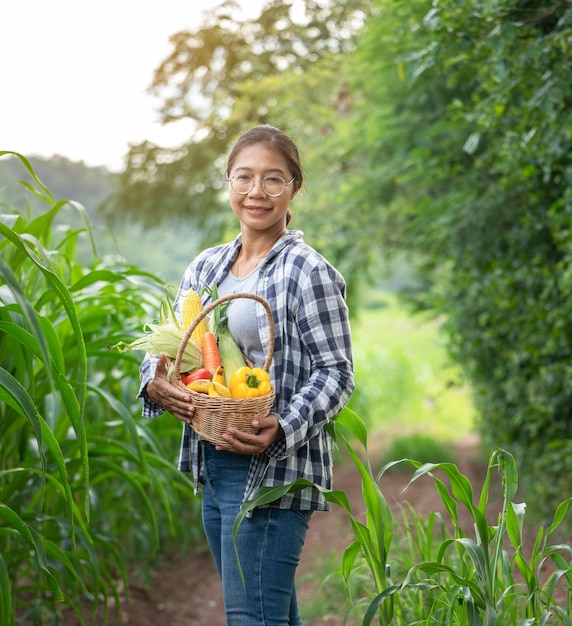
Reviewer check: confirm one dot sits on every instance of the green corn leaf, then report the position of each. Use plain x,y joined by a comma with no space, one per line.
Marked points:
376,604
351,553
449,503
31,344
491,617
507,465
353,424
45,195
473,617
82,212
515,523
27,310
6,611
12,392
56,453
96,276
433,567
36,542
476,555
559,515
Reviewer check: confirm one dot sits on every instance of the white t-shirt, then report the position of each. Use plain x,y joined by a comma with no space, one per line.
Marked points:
242,315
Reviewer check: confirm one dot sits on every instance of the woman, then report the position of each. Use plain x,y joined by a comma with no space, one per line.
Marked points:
311,371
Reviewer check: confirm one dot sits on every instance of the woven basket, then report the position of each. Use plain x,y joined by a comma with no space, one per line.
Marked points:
214,415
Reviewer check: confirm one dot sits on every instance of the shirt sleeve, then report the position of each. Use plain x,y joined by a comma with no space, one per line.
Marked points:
147,373
323,324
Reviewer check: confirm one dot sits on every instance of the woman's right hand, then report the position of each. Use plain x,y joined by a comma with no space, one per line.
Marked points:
160,390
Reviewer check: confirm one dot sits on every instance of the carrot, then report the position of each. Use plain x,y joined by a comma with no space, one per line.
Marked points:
211,355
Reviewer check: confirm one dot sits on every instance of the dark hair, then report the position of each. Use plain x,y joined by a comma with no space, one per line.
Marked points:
274,139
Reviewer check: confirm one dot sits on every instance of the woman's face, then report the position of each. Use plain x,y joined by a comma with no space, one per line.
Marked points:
257,210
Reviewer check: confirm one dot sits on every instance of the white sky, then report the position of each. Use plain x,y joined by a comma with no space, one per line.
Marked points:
74,74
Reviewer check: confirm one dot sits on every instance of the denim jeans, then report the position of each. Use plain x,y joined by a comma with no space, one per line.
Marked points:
269,546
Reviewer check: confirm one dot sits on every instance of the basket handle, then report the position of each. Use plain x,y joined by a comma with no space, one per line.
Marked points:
176,374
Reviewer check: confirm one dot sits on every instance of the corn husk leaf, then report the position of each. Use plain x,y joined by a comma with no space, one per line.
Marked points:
166,337
218,321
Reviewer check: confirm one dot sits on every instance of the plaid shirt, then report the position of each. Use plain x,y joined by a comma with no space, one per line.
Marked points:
311,370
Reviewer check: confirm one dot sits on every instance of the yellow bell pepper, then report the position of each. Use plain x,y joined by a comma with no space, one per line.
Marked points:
249,382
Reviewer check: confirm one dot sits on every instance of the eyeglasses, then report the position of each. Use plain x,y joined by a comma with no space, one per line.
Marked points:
272,186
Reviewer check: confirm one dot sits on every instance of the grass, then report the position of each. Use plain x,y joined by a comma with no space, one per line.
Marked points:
329,597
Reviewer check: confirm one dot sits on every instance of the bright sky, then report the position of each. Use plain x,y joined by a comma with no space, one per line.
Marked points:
74,75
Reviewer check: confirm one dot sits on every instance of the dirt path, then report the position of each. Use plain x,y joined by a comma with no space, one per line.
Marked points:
188,593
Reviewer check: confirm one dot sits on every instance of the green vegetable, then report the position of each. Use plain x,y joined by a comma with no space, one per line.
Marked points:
230,354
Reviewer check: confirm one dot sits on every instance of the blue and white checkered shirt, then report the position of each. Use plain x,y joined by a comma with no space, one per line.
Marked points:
311,369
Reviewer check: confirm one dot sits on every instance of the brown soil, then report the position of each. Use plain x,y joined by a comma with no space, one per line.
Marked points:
188,592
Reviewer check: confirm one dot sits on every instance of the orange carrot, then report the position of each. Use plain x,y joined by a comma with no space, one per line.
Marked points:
211,355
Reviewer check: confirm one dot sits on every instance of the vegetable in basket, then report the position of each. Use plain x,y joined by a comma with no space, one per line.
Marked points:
191,307
231,355
211,355
209,387
249,382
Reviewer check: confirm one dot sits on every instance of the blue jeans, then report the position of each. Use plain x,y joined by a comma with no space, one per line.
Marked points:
269,546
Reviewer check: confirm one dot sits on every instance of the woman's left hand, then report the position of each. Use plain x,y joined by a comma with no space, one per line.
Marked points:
248,443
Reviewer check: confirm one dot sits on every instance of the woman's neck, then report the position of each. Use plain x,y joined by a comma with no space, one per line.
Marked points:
253,251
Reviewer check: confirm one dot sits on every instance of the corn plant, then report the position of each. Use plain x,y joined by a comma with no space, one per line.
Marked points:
480,572
87,490
464,577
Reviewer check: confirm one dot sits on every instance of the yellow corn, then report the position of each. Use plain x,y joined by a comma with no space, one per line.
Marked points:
191,307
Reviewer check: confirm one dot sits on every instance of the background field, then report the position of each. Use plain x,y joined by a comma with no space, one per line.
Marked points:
405,382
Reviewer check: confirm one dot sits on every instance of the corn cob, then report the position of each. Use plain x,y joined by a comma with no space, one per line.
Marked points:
191,307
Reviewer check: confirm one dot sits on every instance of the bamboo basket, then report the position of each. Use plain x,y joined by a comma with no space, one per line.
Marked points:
214,415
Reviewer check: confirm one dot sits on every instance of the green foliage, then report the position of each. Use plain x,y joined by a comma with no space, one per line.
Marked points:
406,382
87,490
467,158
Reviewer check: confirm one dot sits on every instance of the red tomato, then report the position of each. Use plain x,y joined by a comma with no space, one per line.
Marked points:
200,374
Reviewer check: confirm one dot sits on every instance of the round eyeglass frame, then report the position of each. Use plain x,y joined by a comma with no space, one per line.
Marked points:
271,195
